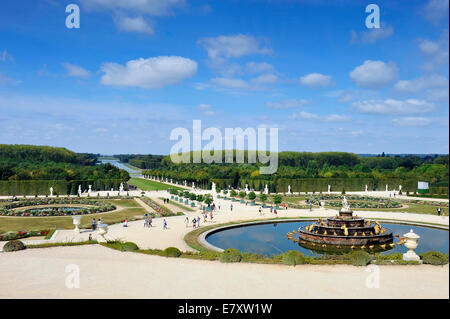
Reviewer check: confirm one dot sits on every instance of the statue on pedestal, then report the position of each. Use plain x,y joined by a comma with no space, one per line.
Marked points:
51,191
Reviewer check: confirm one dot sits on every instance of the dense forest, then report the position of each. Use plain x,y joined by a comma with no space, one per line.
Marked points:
303,165
29,162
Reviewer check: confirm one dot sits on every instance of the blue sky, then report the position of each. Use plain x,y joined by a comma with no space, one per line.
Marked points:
135,70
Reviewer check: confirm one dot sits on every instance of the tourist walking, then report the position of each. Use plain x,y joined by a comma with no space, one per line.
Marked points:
211,216
260,210
310,207
187,221
439,210
231,207
194,222
198,221
275,212
164,224
93,225
125,223
150,221
99,222
205,216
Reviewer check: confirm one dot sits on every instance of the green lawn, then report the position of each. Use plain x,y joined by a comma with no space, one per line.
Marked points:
148,185
183,207
131,209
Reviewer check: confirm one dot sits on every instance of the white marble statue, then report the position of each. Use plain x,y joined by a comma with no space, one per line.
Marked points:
193,185
289,189
329,189
51,191
90,189
366,187
79,190
387,188
121,188
266,190
213,187
345,206
246,188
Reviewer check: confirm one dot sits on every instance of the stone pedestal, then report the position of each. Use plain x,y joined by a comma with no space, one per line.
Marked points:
76,222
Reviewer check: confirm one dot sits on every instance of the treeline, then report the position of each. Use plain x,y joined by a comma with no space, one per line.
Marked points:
141,161
29,162
306,165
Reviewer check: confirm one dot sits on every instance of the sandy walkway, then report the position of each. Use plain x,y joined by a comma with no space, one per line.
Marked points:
106,273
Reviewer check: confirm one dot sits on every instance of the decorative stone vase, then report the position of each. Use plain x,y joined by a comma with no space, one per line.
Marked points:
76,222
102,231
411,241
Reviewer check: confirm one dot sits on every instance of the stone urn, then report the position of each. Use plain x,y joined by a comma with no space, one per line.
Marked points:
102,230
411,241
76,222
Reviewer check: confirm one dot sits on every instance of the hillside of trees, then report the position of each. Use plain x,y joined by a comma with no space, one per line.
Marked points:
30,162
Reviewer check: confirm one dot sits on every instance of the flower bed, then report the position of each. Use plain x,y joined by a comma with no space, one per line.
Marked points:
161,210
23,234
97,207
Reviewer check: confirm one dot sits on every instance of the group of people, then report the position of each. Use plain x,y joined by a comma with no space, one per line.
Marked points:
148,220
166,200
95,223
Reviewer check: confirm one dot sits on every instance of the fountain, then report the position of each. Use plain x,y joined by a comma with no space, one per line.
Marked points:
345,231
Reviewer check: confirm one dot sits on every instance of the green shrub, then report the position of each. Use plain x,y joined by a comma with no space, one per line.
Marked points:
230,256
434,258
359,258
172,252
128,246
293,257
14,245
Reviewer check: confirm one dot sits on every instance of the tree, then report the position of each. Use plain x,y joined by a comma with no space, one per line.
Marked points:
263,198
242,194
233,193
277,199
251,195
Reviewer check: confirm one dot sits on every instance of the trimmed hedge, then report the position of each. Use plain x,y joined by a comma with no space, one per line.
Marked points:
172,252
434,258
359,258
128,246
14,245
230,255
293,257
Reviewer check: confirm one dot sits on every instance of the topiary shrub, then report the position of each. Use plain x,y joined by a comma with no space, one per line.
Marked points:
434,258
293,257
14,245
359,258
128,246
172,252
230,256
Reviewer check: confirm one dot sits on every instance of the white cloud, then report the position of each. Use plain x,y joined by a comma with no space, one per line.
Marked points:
149,73
137,24
75,70
436,52
207,109
265,79
255,67
231,83
436,10
439,95
345,96
412,121
391,106
151,7
287,104
374,74
373,35
420,83
328,118
316,80
234,46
